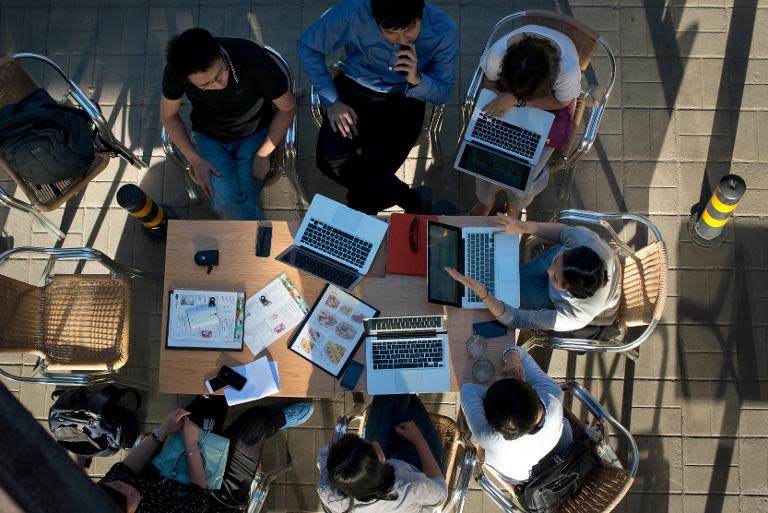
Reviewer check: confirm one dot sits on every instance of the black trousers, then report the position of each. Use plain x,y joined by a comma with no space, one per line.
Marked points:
388,127
246,442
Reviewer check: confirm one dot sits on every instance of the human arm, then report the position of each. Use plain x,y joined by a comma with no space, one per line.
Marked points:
471,397
410,431
140,456
195,469
281,121
548,231
534,375
438,77
171,120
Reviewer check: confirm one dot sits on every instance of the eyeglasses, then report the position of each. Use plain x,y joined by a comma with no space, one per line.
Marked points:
217,78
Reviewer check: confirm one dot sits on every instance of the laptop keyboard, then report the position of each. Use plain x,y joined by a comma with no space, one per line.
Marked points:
506,135
324,270
407,354
324,237
404,324
479,261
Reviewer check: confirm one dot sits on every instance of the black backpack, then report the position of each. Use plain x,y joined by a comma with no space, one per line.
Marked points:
94,423
44,141
558,478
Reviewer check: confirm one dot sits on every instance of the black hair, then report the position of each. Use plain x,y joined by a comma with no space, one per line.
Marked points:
584,272
511,407
117,497
355,470
530,68
397,14
192,51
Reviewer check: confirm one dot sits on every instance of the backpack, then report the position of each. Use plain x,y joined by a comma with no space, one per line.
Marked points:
93,423
558,478
44,141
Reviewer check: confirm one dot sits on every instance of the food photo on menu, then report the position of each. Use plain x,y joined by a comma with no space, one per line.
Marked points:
333,330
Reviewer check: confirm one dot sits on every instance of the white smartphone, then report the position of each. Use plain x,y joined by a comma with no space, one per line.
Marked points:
214,384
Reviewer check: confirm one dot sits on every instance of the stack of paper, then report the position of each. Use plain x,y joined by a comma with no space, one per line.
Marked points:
263,381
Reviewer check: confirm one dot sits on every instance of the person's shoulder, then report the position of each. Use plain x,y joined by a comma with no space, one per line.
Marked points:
440,19
239,47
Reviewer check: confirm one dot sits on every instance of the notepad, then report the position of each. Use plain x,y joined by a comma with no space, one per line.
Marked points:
263,381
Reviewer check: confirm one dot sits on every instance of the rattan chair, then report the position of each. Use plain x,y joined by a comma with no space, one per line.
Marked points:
284,161
432,129
644,284
71,323
595,87
459,471
605,486
15,84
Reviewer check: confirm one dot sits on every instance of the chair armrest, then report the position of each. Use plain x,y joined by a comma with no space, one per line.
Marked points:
315,107
464,477
76,379
599,346
470,99
589,402
89,254
602,219
342,426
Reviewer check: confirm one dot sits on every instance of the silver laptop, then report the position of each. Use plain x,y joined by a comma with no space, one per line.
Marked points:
335,243
491,258
406,355
504,150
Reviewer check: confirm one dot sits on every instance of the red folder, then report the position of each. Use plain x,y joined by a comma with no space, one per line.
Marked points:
406,233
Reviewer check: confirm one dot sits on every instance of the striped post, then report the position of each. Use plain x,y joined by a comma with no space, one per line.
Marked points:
143,209
706,229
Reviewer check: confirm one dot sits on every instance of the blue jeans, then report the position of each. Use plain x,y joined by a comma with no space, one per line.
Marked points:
385,412
236,191
534,281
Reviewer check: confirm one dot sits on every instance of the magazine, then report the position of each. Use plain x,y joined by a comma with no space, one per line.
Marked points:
332,332
205,319
271,313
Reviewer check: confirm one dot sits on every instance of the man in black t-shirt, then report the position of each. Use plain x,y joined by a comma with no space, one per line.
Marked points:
232,85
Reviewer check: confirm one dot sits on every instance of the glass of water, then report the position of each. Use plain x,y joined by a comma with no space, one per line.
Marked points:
476,346
483,370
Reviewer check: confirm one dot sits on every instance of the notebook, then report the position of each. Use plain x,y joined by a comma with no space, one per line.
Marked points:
406,232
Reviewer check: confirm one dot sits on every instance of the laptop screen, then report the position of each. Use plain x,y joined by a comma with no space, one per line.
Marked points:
495,166
444,251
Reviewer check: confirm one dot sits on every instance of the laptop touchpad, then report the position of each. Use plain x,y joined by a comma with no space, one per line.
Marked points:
409,381
346,220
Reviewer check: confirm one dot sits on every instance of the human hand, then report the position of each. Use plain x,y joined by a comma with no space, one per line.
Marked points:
410,431
407,64
510,225
260,167
500,105
513,366
471,283
172,423
343,119
189,433
203,169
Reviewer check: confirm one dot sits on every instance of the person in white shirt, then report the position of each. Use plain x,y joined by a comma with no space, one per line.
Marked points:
532,66
518,420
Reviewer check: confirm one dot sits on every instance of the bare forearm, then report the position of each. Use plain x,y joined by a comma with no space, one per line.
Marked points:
549,231
493,305
179,136
277,129
428,463
195,468
140,456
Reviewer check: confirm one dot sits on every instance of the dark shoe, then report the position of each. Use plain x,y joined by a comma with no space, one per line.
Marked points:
425,200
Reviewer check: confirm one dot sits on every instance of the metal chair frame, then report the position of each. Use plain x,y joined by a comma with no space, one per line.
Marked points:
509,504
595,97
105,134
456,499
285,157
588,345
71,378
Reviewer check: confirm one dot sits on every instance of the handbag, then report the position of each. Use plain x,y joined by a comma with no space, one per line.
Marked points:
214,450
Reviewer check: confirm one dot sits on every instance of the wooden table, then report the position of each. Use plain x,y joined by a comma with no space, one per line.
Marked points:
183,371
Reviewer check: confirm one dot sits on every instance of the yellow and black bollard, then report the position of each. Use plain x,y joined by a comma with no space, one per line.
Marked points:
141,207
706,227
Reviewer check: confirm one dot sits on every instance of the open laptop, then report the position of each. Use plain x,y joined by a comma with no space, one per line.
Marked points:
504,150
491,258
335,243
406,355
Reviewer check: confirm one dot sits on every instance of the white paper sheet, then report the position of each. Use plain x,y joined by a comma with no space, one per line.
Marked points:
263,380
271,313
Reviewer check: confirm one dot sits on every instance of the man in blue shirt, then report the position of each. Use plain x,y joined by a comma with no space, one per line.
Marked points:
399,54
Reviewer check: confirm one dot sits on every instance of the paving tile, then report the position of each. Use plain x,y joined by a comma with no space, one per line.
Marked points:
711,503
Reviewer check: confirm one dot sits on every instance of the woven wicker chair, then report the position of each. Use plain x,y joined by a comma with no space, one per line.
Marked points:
605,486
284,163
594,94
433,127
71,323
15,84
644,285
459,472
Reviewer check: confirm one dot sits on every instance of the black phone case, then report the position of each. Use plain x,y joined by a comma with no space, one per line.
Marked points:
232,378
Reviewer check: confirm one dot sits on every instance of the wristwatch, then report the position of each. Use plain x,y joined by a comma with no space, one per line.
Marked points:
157,438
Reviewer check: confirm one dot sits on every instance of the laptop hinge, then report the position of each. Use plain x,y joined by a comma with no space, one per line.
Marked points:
408,334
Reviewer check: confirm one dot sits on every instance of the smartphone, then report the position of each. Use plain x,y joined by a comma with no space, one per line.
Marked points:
263,241
231,378
214,384
352,375
489,329
401,72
